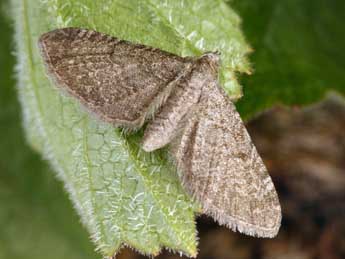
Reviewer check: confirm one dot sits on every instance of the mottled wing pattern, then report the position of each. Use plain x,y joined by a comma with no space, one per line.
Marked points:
119,81
222,169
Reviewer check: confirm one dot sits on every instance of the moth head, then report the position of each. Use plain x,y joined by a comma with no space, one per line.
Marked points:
212,60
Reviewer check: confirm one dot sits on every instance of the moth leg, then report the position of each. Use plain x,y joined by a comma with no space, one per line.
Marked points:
165,125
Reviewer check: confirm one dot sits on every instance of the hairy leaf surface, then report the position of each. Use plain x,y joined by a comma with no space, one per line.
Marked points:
122,194
37,220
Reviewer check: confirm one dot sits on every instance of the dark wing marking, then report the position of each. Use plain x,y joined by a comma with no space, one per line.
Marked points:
119,81
221,168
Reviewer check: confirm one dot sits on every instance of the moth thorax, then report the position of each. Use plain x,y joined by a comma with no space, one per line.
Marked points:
210,63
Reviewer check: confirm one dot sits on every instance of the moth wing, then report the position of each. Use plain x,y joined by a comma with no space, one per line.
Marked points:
119,81
221,168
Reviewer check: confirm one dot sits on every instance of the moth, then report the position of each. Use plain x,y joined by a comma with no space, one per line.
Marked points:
127,84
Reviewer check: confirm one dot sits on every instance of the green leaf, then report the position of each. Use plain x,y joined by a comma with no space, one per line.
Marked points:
298,51
122,194
37,220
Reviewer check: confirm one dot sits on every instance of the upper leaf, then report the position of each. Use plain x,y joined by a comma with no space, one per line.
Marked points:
298,55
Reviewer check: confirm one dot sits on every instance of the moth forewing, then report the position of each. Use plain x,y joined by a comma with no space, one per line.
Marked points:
221,168
121,82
